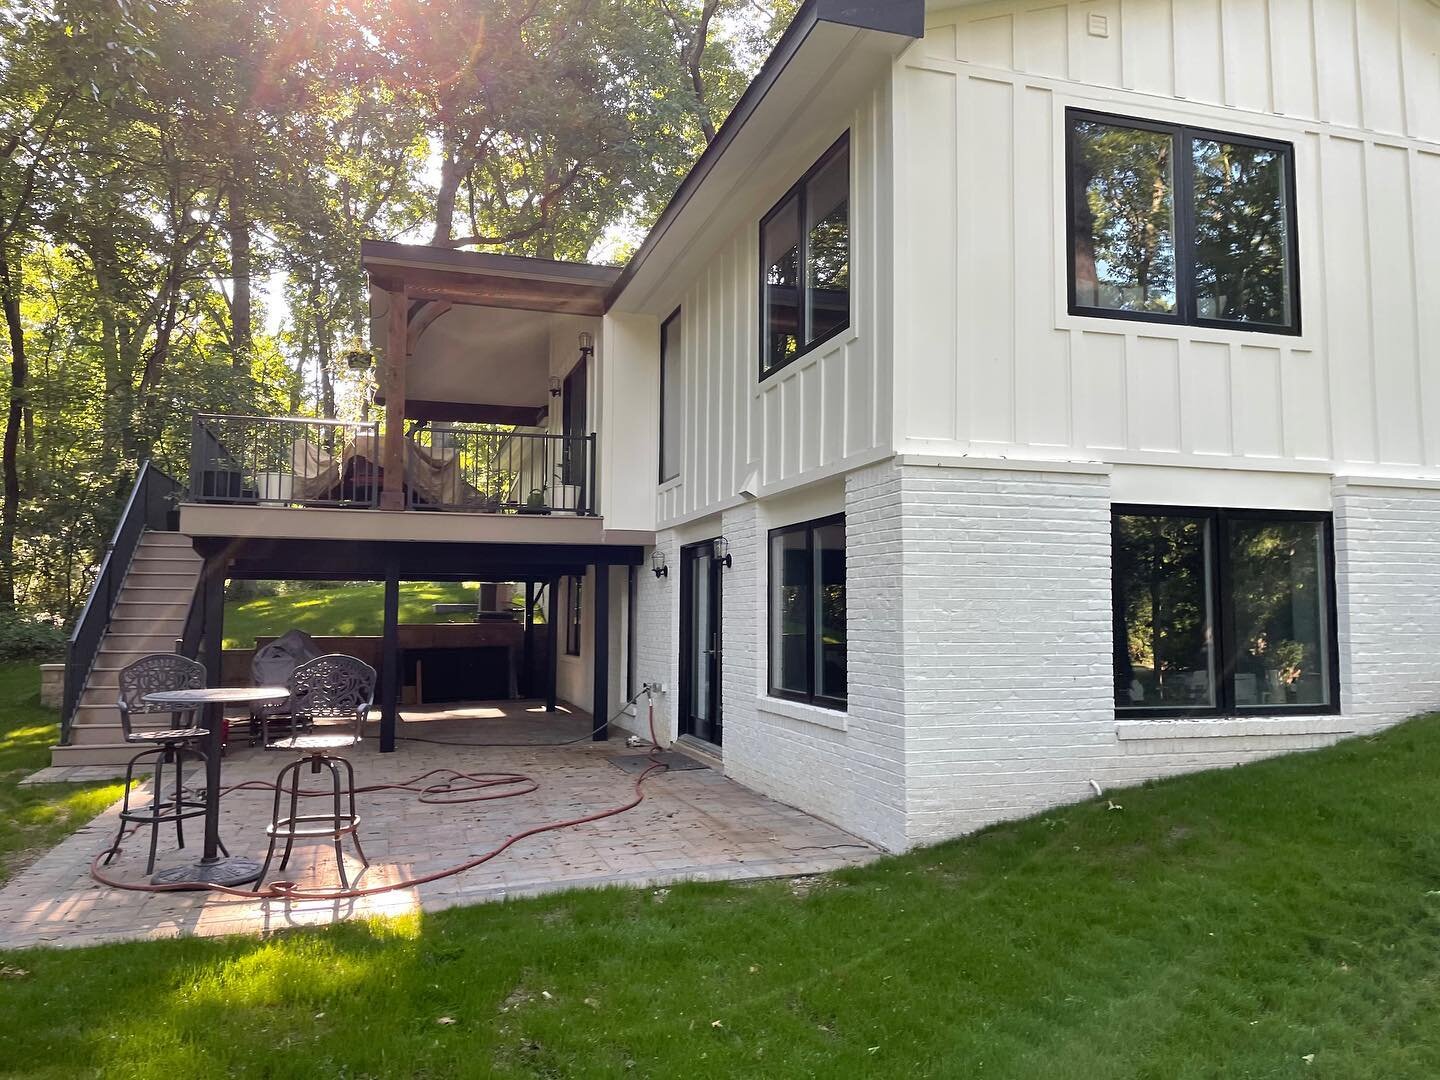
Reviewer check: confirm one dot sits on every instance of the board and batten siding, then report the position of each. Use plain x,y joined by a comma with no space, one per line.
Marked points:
990,360
824,413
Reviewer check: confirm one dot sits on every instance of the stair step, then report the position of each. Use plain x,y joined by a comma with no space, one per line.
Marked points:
137,644
152,619
156,580
166,556
109,753
166,539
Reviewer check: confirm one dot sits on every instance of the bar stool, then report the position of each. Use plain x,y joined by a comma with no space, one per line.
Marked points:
332,687
172,746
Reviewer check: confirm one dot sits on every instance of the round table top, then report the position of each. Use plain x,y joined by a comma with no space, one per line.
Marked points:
223,695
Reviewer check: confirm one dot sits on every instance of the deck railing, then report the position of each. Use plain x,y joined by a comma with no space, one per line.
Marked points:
489,471
151,500
284,461
288,461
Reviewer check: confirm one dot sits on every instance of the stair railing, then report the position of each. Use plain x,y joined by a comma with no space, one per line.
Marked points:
151,501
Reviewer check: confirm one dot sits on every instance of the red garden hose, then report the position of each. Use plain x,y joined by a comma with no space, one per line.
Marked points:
458,784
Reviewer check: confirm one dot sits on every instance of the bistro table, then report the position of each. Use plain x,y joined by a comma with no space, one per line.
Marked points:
212,869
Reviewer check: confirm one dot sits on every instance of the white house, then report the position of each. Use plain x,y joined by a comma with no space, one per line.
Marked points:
1114,449
1016,398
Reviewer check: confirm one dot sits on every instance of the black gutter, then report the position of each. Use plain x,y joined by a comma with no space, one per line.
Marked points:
903,17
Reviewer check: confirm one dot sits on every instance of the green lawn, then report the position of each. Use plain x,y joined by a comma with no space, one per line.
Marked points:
1281,920
343,610
34,818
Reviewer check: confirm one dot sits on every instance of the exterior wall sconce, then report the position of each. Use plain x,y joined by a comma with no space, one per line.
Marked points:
587,344
554,386
721,549
657,564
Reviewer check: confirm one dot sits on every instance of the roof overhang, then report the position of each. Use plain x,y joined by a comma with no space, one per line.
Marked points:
865,34
487,280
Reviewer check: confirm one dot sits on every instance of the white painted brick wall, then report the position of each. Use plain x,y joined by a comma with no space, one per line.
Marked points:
657,654
846,768
980,651
1387,554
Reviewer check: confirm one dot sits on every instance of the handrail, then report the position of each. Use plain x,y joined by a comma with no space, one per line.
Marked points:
283,461
146,508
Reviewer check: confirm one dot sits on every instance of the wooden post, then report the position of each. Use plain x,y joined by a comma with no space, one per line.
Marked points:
600,613
390,674
552,635
392,453
528,650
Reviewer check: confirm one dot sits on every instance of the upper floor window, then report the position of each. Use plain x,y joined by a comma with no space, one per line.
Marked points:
671,398
805,262
1180,225
1223,612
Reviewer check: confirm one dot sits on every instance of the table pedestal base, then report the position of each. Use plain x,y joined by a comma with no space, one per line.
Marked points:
231,871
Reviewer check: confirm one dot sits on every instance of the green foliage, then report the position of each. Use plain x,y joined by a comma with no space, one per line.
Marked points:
338,609
30,637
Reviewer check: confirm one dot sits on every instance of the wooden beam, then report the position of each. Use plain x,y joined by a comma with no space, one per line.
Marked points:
426,317
491,290
466,412
392,450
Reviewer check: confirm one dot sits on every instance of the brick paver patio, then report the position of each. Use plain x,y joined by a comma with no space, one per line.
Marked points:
693,825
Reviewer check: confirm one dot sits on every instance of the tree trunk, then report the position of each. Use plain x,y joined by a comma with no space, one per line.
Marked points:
241,312
322,357
451,174
14,420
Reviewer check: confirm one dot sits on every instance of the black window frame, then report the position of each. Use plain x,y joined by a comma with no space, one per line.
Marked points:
1222,605
809,528
1184,135
664,327
797,192
574,615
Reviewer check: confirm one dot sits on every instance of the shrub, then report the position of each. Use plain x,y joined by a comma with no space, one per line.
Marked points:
30,637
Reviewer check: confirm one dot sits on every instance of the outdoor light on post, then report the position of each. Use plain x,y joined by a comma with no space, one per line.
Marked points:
657,564
721,551
554,386
587,344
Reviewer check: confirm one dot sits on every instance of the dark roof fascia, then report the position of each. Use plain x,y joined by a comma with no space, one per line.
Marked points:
903,17
390,253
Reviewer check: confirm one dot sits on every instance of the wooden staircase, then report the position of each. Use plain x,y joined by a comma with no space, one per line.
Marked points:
149,615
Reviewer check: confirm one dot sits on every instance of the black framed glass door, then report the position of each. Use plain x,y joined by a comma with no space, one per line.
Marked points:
700,649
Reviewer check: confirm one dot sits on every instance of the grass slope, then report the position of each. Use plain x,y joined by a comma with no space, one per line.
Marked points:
1280,920
36,817
344,610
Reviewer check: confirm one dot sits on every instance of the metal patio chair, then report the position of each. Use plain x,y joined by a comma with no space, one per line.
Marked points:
331,687
171,745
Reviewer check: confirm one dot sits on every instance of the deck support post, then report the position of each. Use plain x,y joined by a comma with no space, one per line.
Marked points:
552,636
390,662
600,699
212,607
392,450
527,652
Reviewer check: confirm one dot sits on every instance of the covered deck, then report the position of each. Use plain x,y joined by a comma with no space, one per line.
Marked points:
693,825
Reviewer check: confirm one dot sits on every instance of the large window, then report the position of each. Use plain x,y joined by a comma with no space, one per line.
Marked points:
1180,225
671,398
575,609
805,262
1223,612
807,612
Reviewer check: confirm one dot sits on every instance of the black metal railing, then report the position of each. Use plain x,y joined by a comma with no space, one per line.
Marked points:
489,471
284,461
153,499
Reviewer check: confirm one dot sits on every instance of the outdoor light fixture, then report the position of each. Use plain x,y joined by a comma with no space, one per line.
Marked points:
657,564
587,343
357,358
554,386
722,552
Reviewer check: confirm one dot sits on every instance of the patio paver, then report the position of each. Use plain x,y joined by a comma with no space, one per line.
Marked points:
693,825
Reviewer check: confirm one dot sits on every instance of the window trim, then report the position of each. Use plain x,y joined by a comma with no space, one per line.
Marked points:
797,192
820,701
1183,135
664,326
1223,605
574,615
